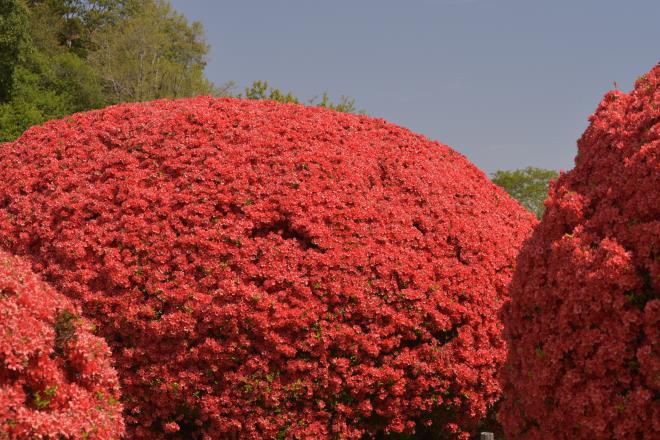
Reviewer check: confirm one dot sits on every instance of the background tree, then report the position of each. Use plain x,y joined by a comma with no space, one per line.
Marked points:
48,79
152,53
13,33
528,185
59,57
262,90
33,83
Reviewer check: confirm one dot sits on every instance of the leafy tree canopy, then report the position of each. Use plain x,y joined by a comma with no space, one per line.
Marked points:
527,185
153,53
13,33
59,57
262,90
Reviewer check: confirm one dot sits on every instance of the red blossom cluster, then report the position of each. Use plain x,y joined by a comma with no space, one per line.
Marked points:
56,378
583,323
264,270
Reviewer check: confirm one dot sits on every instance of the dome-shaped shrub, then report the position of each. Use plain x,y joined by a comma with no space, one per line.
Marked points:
270,270
56,378
584,320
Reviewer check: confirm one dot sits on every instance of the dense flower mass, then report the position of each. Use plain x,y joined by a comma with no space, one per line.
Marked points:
56,378
264,270
584,319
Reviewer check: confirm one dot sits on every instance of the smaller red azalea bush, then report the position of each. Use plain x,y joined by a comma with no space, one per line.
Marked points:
583,324
56,378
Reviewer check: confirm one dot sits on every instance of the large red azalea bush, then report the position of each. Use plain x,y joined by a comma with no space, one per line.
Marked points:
584,320
56,377
264,270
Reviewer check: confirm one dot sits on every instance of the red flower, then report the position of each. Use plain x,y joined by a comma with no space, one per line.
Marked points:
56,378
583,323
261,268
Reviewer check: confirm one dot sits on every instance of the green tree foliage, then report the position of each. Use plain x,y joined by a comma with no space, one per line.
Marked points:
58,57
72,23
262,90
13,33
45,81
152,53
36,96
345,104
528,185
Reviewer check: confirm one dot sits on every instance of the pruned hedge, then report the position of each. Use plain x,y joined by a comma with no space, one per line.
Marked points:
270,270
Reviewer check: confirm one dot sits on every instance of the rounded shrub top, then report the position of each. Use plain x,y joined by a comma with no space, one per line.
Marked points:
56,378
584,319
271,270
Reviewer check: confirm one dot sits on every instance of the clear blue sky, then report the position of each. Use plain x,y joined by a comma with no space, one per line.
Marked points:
508,83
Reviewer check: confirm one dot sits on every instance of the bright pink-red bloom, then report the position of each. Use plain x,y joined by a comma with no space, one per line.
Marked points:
263,269
584,320
56,378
